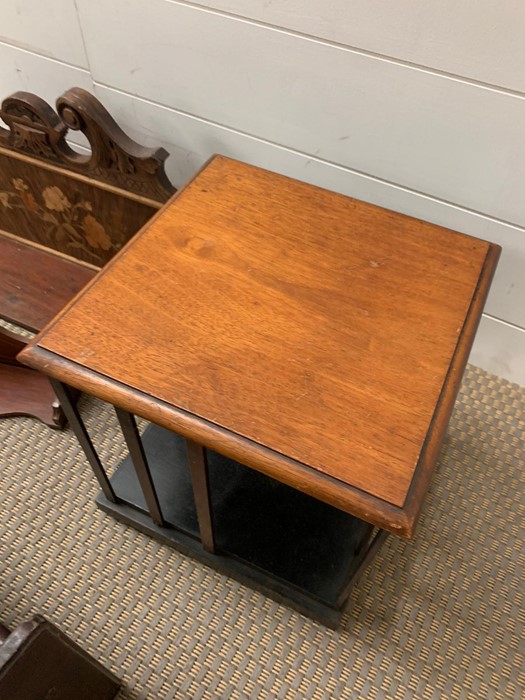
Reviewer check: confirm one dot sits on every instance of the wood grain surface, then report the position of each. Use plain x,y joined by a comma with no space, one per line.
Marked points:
314,325
32,299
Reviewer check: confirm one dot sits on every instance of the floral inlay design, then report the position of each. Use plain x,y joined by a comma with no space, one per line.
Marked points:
72,224
55,199
96,236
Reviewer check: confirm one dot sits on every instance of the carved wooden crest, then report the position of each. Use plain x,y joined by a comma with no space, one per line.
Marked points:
35,129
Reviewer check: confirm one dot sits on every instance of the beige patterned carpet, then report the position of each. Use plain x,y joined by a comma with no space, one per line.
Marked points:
441,617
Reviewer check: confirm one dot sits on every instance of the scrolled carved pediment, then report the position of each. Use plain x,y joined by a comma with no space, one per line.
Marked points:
33,126
35,129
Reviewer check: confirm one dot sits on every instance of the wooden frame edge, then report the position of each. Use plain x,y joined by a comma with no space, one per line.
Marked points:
449,391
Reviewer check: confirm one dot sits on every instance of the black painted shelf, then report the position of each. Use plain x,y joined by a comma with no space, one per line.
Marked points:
269,535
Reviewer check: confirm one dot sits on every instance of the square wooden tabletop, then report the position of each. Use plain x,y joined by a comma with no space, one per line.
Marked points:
312,336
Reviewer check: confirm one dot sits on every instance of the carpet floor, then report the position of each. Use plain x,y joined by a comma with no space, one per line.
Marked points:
440,617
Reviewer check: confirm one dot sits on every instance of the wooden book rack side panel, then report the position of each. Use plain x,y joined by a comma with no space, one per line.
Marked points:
63,215
85,206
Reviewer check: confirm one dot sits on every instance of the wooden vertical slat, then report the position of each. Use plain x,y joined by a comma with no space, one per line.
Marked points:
138,457
77,424
198,464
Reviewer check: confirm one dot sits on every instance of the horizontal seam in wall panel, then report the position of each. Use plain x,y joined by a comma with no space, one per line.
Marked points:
43,56
309,157
82,35
356,50
514,326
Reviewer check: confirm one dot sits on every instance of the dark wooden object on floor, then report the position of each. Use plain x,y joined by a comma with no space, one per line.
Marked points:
38,661
24,391
63,215
314,338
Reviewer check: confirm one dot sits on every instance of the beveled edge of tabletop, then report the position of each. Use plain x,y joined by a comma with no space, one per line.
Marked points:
447,398
401,521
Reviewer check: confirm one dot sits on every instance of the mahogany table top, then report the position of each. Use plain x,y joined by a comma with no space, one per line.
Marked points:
311,336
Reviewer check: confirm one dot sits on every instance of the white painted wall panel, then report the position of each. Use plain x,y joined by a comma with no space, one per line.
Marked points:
48,27
22,70
456,141
500,348
191,141
507,295
479,39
